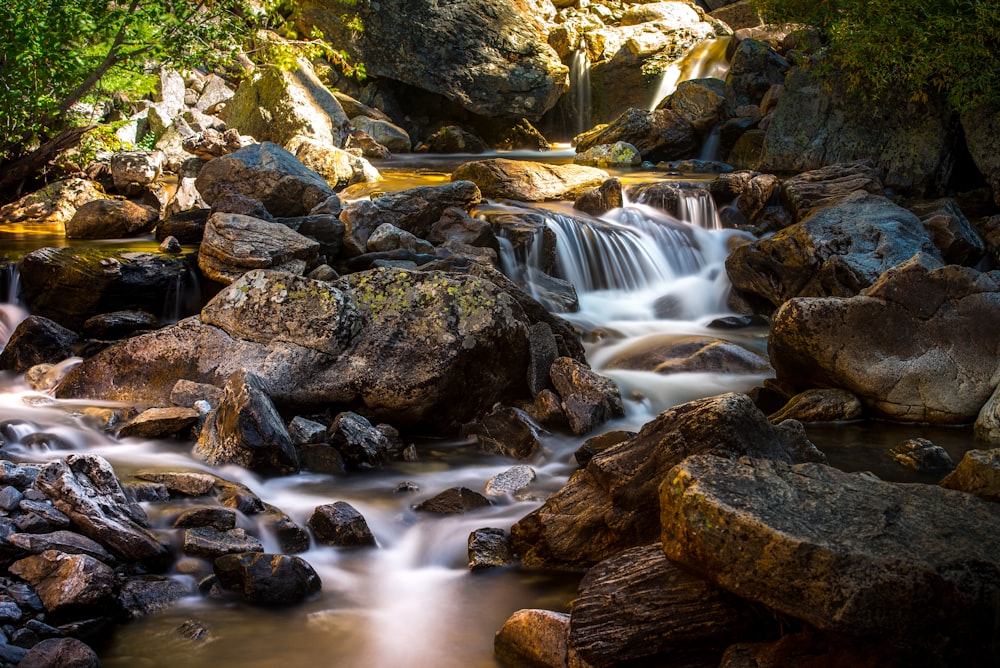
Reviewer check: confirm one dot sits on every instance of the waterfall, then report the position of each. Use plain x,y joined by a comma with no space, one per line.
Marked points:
705,60
697,206
579,88
12,312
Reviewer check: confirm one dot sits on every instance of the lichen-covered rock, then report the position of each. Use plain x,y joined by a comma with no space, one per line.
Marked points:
527,181
931,357
914,565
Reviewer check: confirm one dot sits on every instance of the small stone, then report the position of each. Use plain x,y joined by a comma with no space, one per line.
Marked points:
341,525
510,481
454,501
171,245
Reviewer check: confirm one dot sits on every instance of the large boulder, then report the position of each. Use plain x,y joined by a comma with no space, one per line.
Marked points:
265,172
611,504
662,134
838,251
528,181
817,123
67,581
915,565
489,56
276,105
922,344
234,244
754,68
69,285
407,347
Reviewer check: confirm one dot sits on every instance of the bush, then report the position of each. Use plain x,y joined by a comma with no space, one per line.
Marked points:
949,47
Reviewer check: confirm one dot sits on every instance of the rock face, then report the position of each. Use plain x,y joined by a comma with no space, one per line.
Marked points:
837,252
912,564
408,347
489,56
637,606
275,106
817,123
933,357
265,172
611,504
527,181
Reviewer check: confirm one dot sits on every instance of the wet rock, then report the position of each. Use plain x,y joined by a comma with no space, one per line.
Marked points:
37,340
838,251
511,481
69,285
658,135
268,173
816,189
951,231
665,354
931,359
63,652
914,565
527,181
110,219
588,398
52,205
704,103
341,525
611,504
977,473
322,458
454,501
143,595
119,324
509,432
291,537
86,489
66,542
238,497
67,581
358,441
234,244
189,483
536,638
544,351
303,430
247,430
821,405
453,139
209,542
489,548
753,199
637,607
920,454
160,423
221,519
598,444
268,579
278,104
601,200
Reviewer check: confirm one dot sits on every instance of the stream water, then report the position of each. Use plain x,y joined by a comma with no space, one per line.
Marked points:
412,601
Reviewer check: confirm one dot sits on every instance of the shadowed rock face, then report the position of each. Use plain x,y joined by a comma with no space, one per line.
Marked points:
916,565
489,56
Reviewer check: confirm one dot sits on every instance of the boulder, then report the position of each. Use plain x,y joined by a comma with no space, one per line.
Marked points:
160,423
818,123
339,524
982,127
234,244
932,356
489,56
534,639
453,501
837,252
67,581
915,565
920,454
820,405
754,68
638,608
247,430
209,543
528,181
265,172
85,488
388,237
489,548
599,201
69,285
987,426
509,432
951,231
211,143
658,135
37,340
810,191
119,324
276,104
65,652
977,473
588,398
361,444
385,132
66,542
338,167
135,168
455,226
268,579
704,103
611,504
52,205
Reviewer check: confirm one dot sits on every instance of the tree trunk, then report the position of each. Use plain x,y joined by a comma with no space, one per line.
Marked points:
15,173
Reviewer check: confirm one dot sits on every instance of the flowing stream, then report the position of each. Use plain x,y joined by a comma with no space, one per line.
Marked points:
412,601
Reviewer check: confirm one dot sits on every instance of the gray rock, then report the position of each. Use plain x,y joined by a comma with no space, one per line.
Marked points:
247,430
143,595
303,430
510,481
951,231
130,168
358,441
668,353
291,537
932,357
658,135
387,237
189,483
268,579
111,219
611,505
915,565
119,324
386,133
755,67
341,525
813,190
982,127
234,244
222,519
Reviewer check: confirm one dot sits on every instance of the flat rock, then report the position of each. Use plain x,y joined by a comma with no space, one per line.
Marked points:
160,422
527,181
916,565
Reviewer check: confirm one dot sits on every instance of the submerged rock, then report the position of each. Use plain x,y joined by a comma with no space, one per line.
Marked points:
914,565
921,455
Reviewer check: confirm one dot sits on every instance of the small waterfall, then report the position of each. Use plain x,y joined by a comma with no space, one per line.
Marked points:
12,312
579,88
183,297
705,60
697,206
710,147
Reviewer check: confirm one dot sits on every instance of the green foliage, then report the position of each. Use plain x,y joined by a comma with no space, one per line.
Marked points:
926,47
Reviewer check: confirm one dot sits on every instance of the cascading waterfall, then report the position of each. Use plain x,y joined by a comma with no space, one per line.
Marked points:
579,87
705,60
11,310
